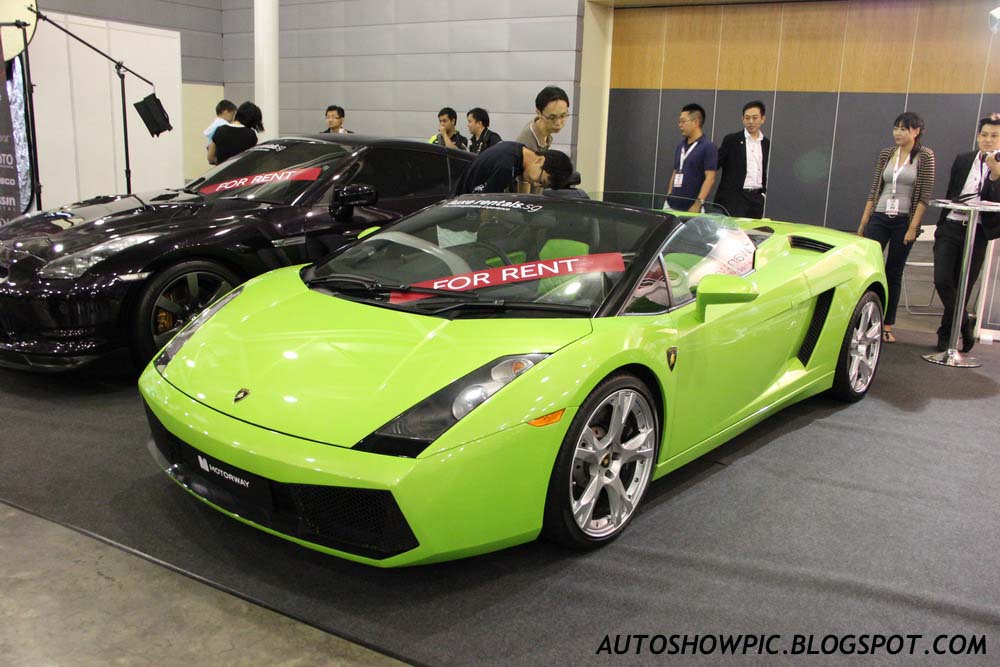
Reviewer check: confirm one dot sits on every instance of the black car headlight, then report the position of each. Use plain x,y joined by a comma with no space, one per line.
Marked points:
184,335
410,433
75,264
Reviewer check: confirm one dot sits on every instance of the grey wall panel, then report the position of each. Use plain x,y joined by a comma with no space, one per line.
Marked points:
201,70
631,145
864,127
799,164
670,136
198,21
382,59
951,129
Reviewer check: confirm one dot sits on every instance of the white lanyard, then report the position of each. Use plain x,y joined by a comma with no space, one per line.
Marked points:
897,170
684,154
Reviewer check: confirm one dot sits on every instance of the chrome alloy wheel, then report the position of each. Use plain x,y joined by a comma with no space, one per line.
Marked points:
182,299
612,463
866,343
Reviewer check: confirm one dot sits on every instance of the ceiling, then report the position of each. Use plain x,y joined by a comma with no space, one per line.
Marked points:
677,3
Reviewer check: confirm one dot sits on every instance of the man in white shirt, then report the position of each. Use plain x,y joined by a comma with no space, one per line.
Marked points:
743,161
975,176
225,112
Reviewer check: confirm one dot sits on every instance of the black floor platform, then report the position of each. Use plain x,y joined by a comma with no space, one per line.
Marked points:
878,517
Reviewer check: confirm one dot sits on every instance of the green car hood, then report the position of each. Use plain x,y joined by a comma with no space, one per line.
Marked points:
332,370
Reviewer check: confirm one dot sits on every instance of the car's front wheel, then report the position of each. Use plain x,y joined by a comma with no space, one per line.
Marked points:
604,466
171,299
860,351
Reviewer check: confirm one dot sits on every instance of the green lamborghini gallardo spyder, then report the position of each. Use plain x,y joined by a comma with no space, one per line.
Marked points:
499,367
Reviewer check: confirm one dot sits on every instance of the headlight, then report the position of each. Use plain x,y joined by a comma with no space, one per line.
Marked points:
411,432
184,335
75,264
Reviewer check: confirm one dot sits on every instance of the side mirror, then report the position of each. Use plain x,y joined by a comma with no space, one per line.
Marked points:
347,197
719,289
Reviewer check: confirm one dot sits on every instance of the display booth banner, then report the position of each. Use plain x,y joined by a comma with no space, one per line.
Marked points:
10,189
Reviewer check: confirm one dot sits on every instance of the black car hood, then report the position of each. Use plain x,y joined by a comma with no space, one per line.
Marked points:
85,224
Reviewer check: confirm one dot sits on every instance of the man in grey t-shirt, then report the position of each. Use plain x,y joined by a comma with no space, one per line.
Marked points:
551,112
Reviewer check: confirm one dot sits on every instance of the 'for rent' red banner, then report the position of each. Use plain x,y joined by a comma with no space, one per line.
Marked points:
610,262
310,174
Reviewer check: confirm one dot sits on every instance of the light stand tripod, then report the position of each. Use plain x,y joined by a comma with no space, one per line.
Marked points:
120,70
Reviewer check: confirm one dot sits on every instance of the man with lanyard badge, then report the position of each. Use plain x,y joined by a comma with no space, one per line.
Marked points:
695,163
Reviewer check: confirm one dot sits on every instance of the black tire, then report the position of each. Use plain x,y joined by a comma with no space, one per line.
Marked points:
152,325
850,382
571,477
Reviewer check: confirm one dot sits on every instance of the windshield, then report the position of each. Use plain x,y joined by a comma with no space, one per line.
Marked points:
496,250
276,172
657,202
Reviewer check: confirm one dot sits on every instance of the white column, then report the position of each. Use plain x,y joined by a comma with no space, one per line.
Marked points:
265,64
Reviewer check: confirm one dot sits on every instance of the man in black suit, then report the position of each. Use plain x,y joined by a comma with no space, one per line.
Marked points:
975,176
743,161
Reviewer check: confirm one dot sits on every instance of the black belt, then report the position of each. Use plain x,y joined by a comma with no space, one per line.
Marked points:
753,190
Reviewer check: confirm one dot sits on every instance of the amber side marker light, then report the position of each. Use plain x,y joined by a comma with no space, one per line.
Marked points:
550,418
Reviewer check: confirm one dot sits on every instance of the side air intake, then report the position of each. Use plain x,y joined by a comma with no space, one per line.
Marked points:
820,313
804,243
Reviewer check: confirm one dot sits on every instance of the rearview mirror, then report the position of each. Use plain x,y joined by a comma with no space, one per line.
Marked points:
347,197
719,289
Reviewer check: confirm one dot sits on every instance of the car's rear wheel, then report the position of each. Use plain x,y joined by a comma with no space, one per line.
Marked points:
604,466
860,351
171,299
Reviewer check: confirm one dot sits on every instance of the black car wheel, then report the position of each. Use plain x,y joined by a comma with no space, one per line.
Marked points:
860,351
604,466
171,299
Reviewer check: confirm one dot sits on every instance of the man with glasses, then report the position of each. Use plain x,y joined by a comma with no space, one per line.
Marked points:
695,163
551,112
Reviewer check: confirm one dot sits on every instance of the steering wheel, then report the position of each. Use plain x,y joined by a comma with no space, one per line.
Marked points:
495,250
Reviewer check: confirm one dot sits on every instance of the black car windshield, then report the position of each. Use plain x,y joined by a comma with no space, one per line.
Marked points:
278,171
486,254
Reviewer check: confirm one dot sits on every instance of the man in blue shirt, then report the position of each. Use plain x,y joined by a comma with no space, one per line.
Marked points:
695,163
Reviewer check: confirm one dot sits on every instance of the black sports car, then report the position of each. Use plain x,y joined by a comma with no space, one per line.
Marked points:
126,272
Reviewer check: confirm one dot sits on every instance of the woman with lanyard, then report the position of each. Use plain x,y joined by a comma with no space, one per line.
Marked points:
900,193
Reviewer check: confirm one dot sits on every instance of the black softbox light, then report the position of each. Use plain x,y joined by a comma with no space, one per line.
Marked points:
153,115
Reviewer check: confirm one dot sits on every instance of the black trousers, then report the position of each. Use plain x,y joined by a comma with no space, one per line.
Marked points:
742,203
891,232
949,242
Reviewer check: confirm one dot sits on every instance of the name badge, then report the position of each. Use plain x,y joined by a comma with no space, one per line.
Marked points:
892,206
678,179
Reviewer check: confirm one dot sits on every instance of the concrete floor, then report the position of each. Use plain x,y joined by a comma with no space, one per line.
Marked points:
69,599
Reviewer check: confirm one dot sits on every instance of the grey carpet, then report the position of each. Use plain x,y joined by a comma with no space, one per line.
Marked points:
878,517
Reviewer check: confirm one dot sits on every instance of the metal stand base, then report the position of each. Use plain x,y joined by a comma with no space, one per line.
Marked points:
952,358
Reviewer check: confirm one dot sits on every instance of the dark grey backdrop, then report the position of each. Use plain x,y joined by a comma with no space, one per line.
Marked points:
822,152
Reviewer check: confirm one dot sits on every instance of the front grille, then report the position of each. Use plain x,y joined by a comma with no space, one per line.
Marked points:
366,522
364,517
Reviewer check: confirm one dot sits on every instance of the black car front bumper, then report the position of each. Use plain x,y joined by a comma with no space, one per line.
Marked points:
60,325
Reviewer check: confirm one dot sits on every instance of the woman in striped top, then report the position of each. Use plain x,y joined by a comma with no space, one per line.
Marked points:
900,193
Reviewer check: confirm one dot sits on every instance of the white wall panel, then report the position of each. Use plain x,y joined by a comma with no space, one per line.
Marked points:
78,109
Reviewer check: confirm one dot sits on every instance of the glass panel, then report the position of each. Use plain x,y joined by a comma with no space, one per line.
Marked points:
651,294
273,172
702,246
